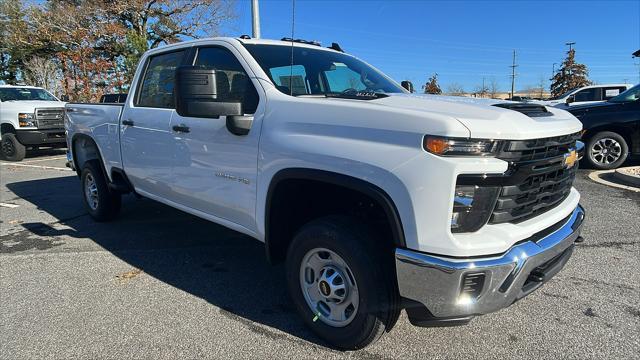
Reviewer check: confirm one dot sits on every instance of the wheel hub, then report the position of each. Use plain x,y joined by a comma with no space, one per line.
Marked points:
328,287
91,191
606,151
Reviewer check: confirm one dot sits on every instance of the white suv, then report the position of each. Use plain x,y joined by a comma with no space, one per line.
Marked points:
30,117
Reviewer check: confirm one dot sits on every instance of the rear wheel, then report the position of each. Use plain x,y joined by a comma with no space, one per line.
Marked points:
341,281
101,203
12,149
607,150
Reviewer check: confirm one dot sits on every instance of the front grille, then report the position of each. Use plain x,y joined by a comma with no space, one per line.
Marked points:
52,118
540,180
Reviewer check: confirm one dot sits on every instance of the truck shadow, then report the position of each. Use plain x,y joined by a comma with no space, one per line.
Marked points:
221,266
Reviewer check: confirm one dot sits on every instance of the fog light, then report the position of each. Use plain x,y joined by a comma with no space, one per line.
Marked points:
472,285
472,206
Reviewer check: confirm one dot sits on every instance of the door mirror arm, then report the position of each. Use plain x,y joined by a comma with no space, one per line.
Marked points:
239,124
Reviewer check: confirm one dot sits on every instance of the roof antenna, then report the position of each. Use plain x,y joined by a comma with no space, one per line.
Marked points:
293,24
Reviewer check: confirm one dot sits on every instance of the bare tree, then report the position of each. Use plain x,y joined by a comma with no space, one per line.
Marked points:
455,89
481,90
43,73
494,88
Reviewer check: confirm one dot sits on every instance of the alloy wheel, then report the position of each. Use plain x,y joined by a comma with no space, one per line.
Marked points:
91,191
606,151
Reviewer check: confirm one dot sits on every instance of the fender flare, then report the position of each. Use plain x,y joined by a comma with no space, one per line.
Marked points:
346,181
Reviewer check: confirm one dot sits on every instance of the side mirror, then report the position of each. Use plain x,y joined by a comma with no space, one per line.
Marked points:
407,85
204,93
64,98
570,99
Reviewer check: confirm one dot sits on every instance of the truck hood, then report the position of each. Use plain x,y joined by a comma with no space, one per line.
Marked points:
29,106
486,121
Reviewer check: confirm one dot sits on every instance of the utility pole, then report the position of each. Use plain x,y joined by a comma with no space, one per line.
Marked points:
255,19
570,44
513,73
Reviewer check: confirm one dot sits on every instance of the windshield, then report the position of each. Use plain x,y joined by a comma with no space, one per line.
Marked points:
21,94
319,72
563,95
630,95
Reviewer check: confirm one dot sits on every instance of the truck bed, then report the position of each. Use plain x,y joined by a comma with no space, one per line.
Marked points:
100,122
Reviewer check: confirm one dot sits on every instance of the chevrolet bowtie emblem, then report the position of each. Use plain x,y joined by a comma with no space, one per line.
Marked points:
570,159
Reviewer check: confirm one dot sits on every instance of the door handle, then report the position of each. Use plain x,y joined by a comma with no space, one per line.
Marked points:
127,122
181,128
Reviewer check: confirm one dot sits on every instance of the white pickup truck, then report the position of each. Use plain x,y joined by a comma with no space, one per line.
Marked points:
378,200
30,117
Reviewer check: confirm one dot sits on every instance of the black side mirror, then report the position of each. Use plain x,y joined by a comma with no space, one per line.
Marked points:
570,99
204,93
407,85
64,98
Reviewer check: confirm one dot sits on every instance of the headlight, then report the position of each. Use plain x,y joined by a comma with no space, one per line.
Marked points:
26,120
472,207
460,147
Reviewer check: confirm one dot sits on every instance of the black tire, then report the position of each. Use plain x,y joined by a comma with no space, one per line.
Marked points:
371,265
12,149
598,143
107,203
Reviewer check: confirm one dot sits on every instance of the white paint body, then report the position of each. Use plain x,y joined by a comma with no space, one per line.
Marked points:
9,110
379,141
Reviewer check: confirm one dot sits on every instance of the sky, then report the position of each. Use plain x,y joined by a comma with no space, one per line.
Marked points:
464,41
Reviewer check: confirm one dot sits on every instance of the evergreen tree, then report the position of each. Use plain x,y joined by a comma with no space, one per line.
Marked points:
571,75
432,86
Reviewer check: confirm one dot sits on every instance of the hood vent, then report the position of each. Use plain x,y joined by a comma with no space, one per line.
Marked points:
531,110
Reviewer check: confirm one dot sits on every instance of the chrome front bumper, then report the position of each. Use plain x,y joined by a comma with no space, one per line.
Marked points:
458,288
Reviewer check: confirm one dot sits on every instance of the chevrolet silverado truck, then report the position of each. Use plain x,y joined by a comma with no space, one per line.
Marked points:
30,117
376,199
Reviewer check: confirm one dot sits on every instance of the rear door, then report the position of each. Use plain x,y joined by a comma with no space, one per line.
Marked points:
217,170
146,138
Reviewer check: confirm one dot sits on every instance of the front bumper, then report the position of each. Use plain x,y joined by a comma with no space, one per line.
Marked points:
443,285
51,137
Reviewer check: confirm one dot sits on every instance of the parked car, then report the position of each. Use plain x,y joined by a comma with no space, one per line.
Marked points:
114,98
375,198
30,117
611,129
586,95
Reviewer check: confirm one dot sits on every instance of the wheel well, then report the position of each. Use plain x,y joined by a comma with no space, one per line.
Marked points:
7,128
84,149
296,197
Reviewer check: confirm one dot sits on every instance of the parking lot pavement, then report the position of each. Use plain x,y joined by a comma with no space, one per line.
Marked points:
158,283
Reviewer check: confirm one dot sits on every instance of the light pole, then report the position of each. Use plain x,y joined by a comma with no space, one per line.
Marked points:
255,19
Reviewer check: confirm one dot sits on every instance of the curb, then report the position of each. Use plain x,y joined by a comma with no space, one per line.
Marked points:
634,180
600,176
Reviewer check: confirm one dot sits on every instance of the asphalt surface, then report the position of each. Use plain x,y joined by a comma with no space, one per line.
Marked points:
158,283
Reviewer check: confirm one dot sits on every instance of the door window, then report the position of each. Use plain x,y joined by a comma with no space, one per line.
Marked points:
159,79
233,83
611,92
593,94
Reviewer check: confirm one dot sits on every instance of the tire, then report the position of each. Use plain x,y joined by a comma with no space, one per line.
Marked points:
12,149
607,150
101,203
369,311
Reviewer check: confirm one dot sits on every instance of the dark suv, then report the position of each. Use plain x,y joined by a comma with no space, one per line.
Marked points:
611,129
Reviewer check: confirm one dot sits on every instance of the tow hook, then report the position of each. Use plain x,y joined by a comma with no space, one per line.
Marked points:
579,239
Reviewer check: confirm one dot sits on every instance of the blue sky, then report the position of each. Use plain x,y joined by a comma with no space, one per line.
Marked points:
464,41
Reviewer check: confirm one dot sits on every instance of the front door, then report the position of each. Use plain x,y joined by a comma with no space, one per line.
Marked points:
146,137
219,171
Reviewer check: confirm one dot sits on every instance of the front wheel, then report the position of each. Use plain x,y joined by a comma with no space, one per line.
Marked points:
341,281
12,149
607,150
101,203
